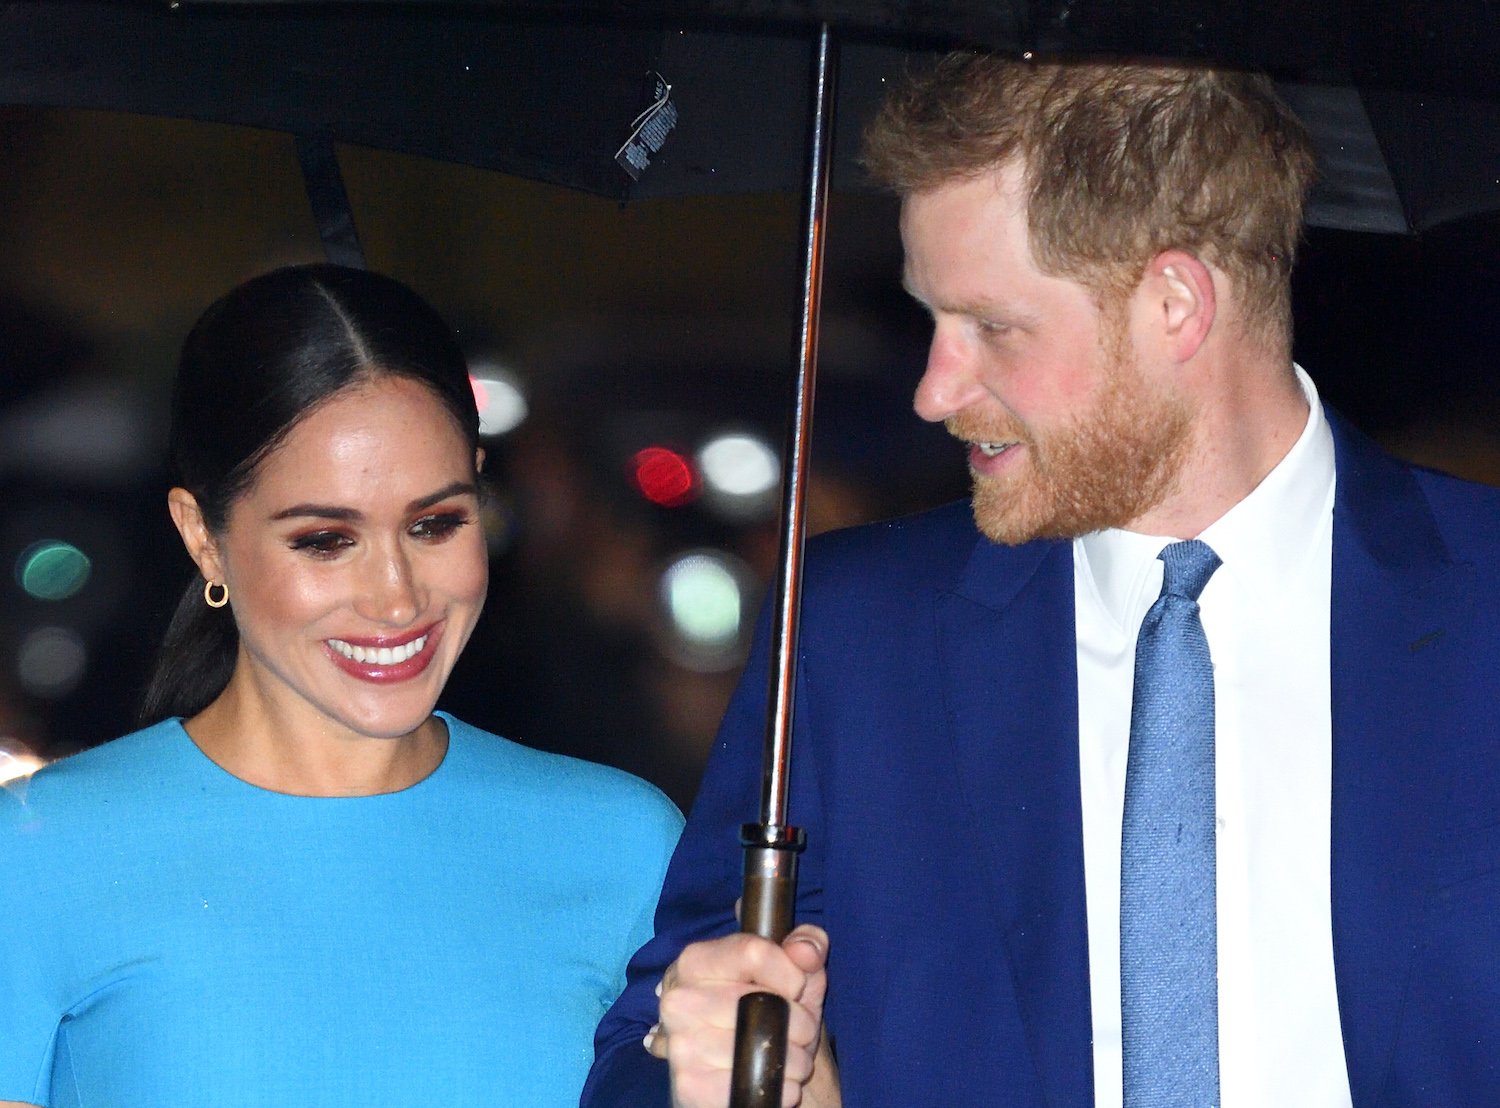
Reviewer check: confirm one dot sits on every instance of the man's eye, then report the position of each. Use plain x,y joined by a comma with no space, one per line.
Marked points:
439,526
322,542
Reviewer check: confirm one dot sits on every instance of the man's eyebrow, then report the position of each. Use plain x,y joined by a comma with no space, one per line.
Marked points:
349,515
977,309
965,308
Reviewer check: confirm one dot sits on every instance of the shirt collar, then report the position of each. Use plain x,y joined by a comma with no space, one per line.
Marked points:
1264,538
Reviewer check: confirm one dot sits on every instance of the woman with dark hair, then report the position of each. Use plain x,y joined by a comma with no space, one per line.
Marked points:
300,884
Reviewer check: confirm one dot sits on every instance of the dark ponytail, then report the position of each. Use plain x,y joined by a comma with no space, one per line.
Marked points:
196,658
254,365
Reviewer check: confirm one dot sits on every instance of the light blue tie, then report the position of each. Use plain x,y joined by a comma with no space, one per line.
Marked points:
1169,995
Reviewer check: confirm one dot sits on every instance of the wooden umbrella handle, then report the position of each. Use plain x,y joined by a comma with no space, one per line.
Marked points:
766,907
759,1051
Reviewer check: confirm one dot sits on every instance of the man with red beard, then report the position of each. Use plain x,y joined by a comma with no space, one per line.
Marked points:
1171,774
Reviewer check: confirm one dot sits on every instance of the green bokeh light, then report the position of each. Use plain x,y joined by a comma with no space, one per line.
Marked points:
52,570
704,600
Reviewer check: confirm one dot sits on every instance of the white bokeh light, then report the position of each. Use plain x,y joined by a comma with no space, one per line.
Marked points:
741,474
51,661
501,400
739,463
16,762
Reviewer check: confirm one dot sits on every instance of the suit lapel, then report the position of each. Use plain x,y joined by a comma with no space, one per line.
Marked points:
1009,665
1399,630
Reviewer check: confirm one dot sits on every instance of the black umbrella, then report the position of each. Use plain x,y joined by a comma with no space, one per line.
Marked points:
1401,97
655,99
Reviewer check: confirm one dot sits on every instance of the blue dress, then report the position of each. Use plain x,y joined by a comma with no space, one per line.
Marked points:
176,936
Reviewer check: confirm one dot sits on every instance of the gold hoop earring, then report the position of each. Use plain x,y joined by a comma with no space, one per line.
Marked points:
208,594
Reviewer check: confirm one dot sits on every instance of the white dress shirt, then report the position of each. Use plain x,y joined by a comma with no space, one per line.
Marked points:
1265,613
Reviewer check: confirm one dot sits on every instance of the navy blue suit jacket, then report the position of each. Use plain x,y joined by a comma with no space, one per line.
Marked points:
936,772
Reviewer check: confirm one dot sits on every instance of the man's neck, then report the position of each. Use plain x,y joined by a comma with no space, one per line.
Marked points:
1248,417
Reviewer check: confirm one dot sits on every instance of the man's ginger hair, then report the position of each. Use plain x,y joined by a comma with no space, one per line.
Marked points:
1121,161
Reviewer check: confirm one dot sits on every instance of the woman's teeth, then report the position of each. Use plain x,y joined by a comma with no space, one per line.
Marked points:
381,655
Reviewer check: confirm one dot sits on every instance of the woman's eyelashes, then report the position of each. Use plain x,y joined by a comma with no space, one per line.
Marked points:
440,525
322,544
432,528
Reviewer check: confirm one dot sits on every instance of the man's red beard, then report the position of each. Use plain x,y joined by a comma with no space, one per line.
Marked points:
1109,466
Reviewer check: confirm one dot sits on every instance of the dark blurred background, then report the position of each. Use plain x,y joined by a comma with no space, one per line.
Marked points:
633,361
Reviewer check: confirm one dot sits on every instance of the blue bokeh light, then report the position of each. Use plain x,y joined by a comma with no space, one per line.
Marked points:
52,570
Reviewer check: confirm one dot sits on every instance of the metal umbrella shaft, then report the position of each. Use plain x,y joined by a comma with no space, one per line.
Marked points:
772,846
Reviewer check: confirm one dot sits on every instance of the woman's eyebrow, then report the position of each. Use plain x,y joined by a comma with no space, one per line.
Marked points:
321,511
330,511
458,488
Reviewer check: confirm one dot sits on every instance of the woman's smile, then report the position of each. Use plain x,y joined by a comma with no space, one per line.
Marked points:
381,660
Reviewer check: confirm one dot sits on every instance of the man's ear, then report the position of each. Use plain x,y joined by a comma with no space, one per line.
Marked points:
1183,300
196,536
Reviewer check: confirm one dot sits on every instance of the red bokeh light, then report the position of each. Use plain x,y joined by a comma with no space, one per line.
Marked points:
664,476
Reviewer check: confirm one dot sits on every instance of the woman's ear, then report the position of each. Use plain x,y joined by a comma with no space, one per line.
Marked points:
196,536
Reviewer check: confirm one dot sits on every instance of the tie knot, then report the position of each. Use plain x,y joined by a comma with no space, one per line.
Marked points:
1188,566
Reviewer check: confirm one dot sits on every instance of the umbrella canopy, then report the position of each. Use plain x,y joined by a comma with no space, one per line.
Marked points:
1401,98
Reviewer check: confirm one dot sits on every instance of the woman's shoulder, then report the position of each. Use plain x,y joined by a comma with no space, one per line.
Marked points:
114,769
82,812
587,790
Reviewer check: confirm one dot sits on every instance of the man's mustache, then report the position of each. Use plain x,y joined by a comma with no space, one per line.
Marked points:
973,427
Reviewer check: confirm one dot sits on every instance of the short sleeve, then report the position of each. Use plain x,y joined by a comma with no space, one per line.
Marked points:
28,1013
658,827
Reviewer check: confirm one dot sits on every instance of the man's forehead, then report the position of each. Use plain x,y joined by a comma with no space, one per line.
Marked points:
1007,176
997,191
973,216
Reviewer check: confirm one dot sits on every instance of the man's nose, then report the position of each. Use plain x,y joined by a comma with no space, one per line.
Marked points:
950,382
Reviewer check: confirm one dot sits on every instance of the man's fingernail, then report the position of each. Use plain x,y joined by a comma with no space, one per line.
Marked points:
650,1038
658,990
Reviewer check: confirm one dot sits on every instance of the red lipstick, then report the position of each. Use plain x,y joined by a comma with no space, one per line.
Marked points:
371,669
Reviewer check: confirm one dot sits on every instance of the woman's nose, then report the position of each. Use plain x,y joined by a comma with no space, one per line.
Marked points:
390,593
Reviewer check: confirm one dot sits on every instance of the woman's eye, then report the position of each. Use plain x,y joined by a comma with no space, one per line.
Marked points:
324,543
439,526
